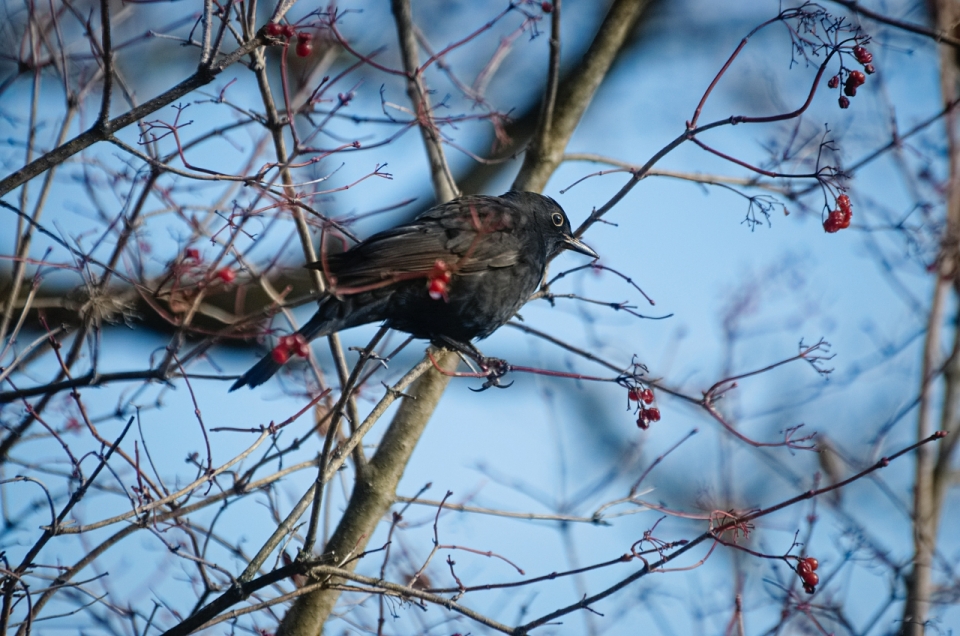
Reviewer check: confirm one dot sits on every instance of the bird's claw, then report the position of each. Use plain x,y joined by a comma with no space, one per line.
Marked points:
492,382
494,369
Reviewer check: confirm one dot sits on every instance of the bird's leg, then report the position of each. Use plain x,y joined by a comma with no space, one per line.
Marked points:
466,348
492,368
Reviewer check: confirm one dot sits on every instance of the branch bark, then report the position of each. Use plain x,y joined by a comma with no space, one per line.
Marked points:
444,186
546,149
931,474
373,493
375,487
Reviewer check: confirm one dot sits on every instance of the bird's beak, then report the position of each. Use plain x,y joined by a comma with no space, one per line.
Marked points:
575,244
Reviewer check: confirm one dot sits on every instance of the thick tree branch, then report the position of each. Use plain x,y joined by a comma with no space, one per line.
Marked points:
927,494
574,95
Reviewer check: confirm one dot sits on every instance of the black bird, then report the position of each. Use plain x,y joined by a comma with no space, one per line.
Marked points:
457,272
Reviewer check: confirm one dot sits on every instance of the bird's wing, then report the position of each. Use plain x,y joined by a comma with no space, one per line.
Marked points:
472,235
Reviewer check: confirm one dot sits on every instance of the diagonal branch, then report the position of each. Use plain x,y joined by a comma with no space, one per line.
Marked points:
101,132
444,186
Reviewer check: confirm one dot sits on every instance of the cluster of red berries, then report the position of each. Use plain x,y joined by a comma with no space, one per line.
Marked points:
839,219
805,568
304,39
292,344
438,280
275,29
855,79
646,415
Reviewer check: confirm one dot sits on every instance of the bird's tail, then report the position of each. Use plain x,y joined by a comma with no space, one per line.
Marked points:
319,325
258,373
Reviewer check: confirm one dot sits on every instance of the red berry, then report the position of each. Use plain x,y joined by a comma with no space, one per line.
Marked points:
437,289
850,90
837,220
191,254
546,7
647,396
857,78
805,568
863,55
288,31
869,69
274,29
642,421
653,414
833,82
438,280
844,102
834,222
302,349
304,48
280,354
227,275
843,202
633,395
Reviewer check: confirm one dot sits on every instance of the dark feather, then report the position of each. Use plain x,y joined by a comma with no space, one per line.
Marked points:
496,249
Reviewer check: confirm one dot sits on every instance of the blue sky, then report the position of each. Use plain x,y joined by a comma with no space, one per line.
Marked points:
541,444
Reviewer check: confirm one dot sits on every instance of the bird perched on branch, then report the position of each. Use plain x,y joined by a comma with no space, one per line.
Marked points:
455,273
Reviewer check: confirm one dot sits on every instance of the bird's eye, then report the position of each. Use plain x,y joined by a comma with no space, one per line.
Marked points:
557,219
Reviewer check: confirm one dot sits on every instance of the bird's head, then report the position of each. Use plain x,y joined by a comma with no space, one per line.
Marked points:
553,223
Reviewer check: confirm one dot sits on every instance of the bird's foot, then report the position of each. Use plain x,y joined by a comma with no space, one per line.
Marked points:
493,369
490,368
